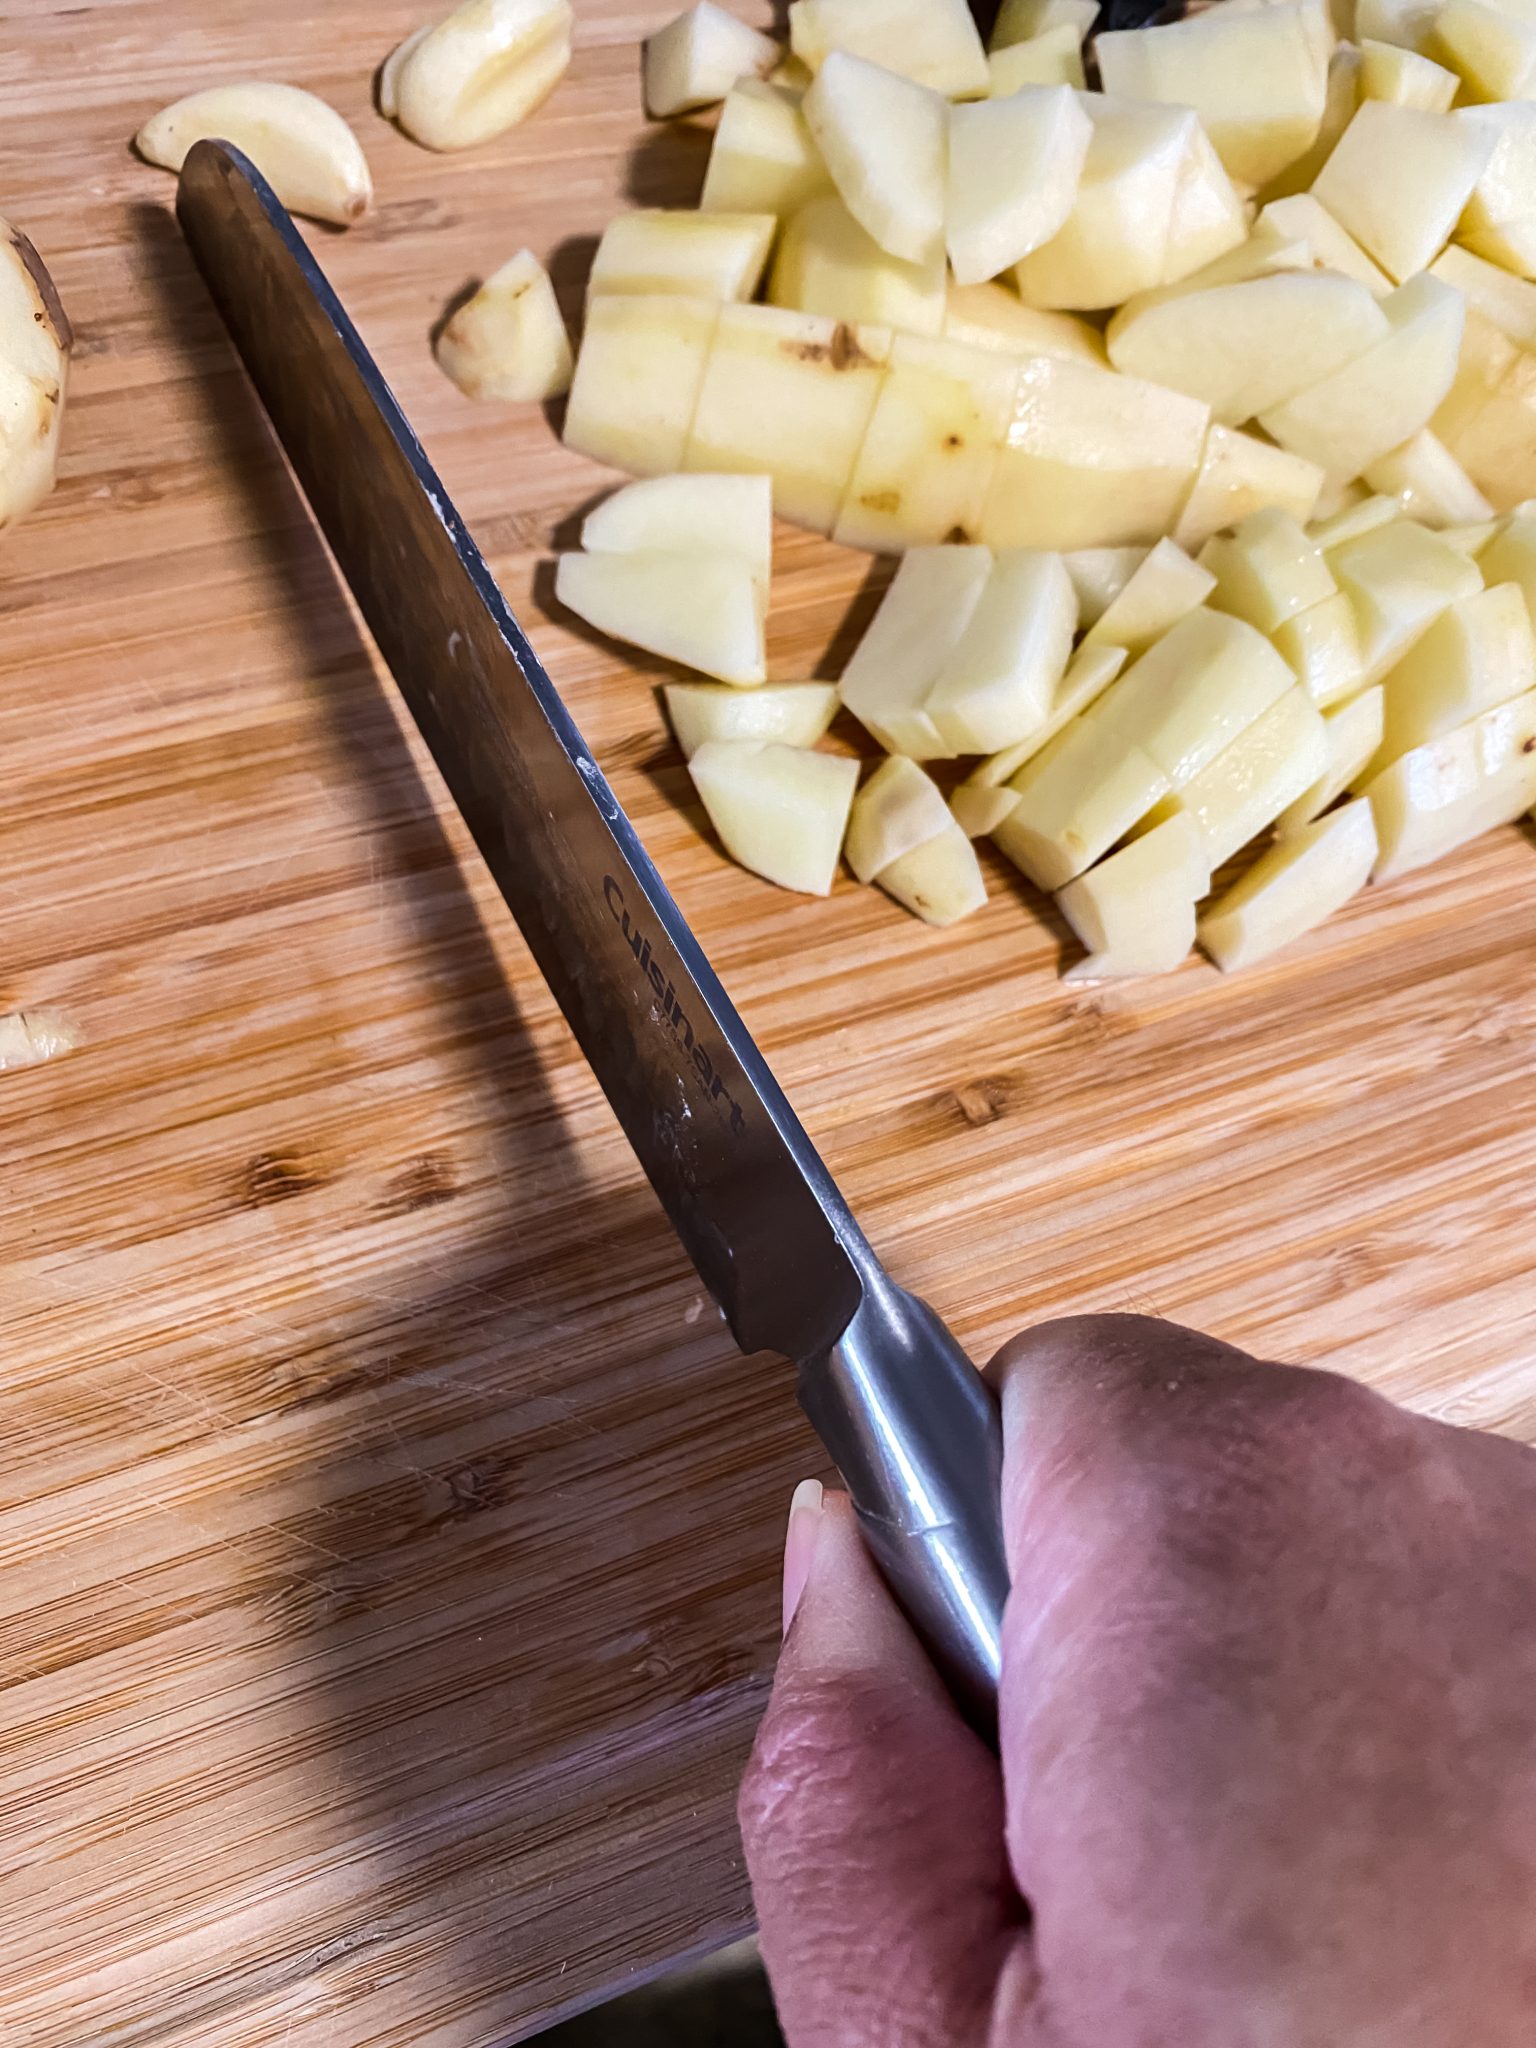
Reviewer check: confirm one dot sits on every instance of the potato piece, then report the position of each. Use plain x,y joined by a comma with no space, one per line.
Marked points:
1268,571
1253,78
897,809
982,801
1014,169
703,610
794,714
1000,677
1157,594
1509,302
1054,58
1291,889
1494,438
35,342
1342,94
1322,648
508,341
1455,788
1483,361
991,316
1406,23
1209,218
827,264
1264,770
697,58
1403,78
1074,801
1489,51
1240,474
931,447
1245,348
788,395
1360,514
762,159
1429,483
939,881
1099,575
1191,694
715,255
1021,21
1398,579
1353,732
1092,459
932,41
1381,398
637,380
780,811
1135,911
1472,539
1510,557
1115,241
301,146
1304,215
483,69
726,515
1476,655
885,141
1261,254
1398,181
912,635
1499,222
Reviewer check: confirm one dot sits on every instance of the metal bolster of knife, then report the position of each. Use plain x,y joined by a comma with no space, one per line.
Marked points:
916,1433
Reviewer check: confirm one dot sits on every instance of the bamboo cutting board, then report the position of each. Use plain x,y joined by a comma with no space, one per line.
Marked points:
388,1532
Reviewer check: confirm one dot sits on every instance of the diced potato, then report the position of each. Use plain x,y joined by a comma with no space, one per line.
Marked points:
827,264
1509,302
912,635
1160,590
932,41
884,140
696,59
1290,889
716,255
1404,78
637,380
780,811
508,341
1381,398
1484,360
1353,732
1322,647
1253,78
1303,214
725,515
1014,169
1510,557
931,447
1398,180
1492,433
1193,692
1268,571
1244,348
1477,654
1471,540
787,395
1092,459
1499,222
1398,579
982,801
998,682
991,316
481,70
300,144
762,159
1491,52
1020,21
1135,911
703,610
1404,22
1342,93
1280,754
1115,241
1429,483
1209,216
1099,575
1263,253
1455,788
1054,58
1240,474
939,881
897,809
1075,800
794,714
1360,514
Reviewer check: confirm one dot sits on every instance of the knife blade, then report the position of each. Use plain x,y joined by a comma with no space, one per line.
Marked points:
905,1416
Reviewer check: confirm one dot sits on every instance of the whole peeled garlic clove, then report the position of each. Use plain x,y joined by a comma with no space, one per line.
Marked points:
34,354
301,146
390,69
480,71
509,340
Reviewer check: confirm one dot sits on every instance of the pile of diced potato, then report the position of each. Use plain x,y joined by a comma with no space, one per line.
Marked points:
1199,409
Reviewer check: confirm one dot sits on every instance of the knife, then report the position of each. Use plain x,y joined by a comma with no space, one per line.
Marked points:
908,1421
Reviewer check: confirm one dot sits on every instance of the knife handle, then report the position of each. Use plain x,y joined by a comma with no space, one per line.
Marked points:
915,1431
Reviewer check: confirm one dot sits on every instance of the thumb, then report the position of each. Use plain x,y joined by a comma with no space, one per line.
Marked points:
872,1818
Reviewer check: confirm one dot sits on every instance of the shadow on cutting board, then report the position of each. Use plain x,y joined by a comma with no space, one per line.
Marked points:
539,1506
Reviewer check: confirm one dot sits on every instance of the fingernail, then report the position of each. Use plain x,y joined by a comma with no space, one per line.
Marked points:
800,1543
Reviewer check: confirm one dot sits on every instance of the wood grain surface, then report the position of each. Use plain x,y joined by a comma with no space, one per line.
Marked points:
388,1532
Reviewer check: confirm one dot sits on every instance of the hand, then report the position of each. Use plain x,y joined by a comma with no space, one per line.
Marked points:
1268,1733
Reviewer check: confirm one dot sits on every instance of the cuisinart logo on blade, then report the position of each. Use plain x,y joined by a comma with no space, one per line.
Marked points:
671,1008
